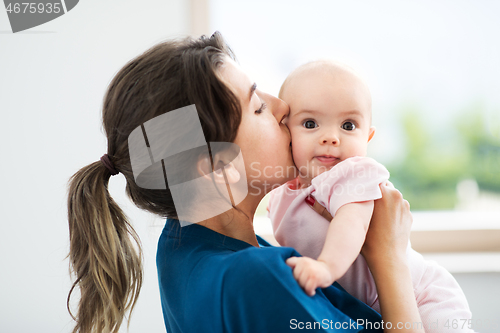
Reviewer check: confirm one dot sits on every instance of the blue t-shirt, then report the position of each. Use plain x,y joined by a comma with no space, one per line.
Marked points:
214,283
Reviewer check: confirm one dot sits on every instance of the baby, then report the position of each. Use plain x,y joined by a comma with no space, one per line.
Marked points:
330,126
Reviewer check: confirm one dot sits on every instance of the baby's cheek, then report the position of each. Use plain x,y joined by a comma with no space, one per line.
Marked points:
296,154
300,148
354,147
301,161
362,149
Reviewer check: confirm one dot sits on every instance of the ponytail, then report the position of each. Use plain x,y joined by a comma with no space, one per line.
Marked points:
105,253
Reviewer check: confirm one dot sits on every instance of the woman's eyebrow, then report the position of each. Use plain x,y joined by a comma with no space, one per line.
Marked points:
252,90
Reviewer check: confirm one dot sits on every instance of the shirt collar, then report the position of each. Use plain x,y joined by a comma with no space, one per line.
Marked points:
174,230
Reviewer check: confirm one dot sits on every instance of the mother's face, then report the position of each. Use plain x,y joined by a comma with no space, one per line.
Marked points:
263,138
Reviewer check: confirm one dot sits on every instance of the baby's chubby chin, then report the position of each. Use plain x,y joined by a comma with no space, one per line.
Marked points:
316,166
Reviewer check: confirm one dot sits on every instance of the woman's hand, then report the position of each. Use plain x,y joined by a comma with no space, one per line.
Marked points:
389,230
385,253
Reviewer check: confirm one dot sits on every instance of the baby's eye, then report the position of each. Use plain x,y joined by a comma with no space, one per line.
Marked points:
310,124
348,126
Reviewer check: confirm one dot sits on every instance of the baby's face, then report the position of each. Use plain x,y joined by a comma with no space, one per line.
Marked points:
329,120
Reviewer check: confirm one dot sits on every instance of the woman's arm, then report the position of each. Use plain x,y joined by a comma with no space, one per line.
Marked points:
385,253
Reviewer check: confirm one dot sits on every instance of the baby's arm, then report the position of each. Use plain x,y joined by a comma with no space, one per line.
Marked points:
344,239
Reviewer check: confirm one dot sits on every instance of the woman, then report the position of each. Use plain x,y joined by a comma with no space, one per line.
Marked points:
215,275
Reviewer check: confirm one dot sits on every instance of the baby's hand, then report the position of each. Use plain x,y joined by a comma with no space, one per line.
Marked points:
310,273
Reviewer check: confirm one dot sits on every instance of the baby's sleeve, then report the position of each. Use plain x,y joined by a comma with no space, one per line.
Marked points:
272,207
355,179
270,203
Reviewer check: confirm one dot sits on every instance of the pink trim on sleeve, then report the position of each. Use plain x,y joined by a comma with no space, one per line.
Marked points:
355,179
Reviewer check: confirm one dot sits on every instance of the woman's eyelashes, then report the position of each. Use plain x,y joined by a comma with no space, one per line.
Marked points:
262,107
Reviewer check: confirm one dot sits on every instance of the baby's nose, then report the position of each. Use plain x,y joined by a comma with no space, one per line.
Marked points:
331,140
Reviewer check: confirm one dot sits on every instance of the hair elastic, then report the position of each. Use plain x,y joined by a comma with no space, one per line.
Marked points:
108,164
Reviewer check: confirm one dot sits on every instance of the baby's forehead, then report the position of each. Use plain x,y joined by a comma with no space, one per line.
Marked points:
320,75
318,81
324,70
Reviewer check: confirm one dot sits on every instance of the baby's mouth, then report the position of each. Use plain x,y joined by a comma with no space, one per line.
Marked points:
328,159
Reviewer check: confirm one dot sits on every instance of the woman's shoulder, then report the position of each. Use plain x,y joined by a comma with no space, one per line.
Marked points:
262,286
262,259
241,283
252,262
194,246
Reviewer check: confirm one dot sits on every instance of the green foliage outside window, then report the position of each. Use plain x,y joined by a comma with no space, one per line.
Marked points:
431,168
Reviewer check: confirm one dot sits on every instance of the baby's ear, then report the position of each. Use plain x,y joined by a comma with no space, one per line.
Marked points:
371,133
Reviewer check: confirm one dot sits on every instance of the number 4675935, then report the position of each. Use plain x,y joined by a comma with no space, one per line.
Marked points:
34,8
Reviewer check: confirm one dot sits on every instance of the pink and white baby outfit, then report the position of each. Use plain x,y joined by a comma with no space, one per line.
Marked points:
439,297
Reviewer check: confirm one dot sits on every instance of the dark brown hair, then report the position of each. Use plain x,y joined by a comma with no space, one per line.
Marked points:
105,254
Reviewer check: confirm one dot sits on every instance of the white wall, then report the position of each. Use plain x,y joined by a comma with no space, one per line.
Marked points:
52,82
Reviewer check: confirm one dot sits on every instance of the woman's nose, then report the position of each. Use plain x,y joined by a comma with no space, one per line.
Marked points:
281,109
278,107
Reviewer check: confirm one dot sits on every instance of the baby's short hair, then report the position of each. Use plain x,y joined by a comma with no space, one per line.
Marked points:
326,65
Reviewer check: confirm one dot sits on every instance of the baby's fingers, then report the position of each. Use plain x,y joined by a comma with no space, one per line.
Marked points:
299,275
292,262
310,286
